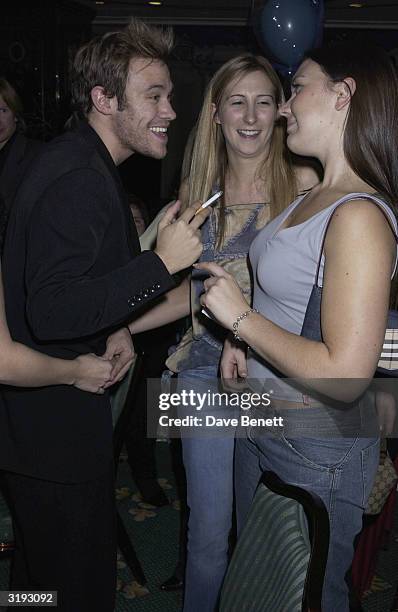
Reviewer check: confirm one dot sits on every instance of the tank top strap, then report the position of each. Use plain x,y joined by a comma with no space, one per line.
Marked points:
385,209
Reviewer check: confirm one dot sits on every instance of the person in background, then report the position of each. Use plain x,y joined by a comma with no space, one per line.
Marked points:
153,345
74,277
140,213
343,111
238,147
16,150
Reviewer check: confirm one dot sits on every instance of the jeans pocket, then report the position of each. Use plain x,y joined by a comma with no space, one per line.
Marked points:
370,457
321,453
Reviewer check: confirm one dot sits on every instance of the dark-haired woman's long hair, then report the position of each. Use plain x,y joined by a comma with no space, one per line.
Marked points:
371,132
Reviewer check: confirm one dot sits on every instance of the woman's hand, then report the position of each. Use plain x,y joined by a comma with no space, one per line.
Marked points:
233,365
386,412
222,297
93,373
120,351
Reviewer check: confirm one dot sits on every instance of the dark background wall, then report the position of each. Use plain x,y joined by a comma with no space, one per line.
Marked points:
38,40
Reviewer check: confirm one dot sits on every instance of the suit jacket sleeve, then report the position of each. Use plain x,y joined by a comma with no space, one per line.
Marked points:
66,297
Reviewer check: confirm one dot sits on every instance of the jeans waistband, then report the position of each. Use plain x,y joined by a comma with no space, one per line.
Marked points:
306,402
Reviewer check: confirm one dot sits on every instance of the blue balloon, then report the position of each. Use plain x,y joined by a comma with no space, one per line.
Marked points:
284,71
286,29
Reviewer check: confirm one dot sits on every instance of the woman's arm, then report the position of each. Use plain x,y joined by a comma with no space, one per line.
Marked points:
176,302
148,238
175,305
360,254
22,366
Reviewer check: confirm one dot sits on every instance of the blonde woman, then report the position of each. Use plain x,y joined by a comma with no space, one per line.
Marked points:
239,149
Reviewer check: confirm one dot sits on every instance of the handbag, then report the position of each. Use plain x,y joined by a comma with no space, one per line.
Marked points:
385,480
311,329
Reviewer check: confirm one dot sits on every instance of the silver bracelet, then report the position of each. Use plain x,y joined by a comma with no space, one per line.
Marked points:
235,325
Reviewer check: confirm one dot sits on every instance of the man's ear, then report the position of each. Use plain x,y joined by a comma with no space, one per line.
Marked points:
216,118
345,90
101,102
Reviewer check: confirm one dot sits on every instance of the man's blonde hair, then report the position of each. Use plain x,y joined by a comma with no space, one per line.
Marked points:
105,61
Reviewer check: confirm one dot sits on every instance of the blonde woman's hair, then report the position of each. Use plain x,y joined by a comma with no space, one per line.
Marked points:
208,157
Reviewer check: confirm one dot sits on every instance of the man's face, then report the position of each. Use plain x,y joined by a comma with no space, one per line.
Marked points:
142,126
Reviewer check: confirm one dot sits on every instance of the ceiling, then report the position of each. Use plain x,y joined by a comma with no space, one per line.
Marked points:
376,14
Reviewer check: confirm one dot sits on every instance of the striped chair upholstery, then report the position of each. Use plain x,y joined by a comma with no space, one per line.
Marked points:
270,565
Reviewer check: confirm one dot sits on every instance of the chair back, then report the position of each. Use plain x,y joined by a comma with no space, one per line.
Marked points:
280,558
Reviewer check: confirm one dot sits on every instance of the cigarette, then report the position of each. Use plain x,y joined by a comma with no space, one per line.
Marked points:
204,311
208,202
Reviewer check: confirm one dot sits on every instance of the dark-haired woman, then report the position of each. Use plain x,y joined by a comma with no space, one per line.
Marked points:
342,111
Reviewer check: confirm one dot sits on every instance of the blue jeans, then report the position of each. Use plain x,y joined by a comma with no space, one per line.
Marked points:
340,470
209,471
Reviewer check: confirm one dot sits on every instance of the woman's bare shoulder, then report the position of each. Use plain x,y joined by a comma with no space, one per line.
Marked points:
363,224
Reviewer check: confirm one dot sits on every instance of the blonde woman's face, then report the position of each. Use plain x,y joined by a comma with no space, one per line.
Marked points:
8,123
247,115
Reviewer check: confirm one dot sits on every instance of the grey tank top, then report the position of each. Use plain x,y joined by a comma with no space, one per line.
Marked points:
284,263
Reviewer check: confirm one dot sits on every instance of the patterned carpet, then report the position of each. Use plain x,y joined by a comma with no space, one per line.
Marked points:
154,532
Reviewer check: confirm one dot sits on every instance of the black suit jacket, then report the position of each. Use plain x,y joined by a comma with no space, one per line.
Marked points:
21,152
72,273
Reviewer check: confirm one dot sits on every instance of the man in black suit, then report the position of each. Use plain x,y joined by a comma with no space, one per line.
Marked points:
15,157
73,277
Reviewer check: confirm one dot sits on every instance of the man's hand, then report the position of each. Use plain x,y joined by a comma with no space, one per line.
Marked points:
120,352
178,243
